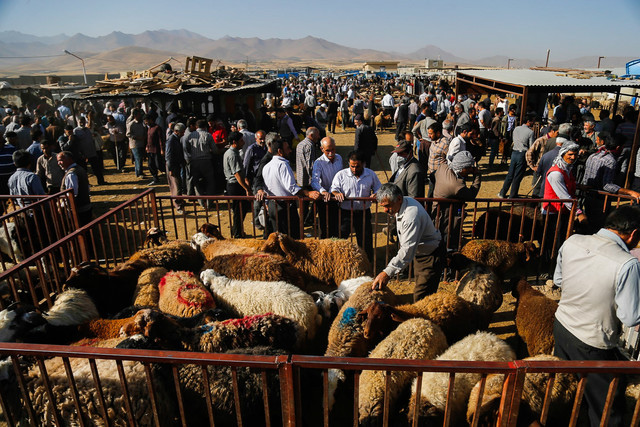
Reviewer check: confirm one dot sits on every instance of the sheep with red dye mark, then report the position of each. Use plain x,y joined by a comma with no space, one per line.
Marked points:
251,297
183,294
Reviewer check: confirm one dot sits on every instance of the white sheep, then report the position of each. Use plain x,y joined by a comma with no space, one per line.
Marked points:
481,346
248,298
415,339
9,242
329,304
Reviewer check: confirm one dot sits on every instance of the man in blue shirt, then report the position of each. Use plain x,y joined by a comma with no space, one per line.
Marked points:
23,182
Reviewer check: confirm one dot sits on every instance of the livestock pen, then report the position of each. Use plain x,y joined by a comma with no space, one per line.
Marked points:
294,388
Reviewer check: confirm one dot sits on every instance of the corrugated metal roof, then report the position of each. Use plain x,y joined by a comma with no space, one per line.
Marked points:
545,78
171,92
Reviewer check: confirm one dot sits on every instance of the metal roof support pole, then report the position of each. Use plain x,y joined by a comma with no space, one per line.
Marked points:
634,151
615,104
523,105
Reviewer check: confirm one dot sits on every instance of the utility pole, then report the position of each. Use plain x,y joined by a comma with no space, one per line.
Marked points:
546,64
599,58
84,70
509,63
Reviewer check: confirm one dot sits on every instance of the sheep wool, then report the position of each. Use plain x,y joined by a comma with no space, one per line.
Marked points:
183,294
346,336
481,346
482,287
247,298
533,394
416,339
175,255
71,307
212,248
499,255
535,314
147,293
265,268
111,389
330,260
251,331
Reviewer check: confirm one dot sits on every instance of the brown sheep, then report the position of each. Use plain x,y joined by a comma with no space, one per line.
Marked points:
503,257
183,294
264,267
482,287
535,314
175,255
147,293
455,316
533,394
330,260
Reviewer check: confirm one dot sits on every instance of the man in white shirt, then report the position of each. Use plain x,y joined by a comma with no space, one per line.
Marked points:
458,143
280,182
325,169
356,181
387,104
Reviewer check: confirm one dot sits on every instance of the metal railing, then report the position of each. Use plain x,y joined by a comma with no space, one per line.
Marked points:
107,240
293,389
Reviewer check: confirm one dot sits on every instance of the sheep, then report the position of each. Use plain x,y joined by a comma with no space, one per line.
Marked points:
183,294
155,237
214,336
416,339
116,409
329,304
533,394
330,260
346,337
505,224
250,388
175,255
20,322
111,291
502,257
147,293
456,316
535,314
248,297
481,346
9,242
264,267
482,287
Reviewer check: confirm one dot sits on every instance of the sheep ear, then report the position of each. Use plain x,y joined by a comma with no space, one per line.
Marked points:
361,316
398,317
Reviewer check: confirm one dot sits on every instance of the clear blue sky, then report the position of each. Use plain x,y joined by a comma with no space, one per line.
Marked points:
467,28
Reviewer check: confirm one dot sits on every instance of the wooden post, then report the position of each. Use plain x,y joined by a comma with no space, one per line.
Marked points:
634,151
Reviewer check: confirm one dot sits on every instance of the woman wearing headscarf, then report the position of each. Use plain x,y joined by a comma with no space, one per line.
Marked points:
560,183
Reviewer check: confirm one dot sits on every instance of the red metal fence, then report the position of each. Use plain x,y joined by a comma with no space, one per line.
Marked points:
301,391
293,389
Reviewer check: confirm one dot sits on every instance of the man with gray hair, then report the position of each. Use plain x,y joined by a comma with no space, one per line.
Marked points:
447,127
248,136
418,238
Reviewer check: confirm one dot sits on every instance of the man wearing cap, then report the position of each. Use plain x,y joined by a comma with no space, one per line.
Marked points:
419,241
322,117
366,140
410,174
451,183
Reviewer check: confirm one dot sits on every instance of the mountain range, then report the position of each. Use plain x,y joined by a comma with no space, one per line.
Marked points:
28,54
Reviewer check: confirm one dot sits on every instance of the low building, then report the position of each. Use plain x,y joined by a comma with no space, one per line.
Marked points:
434,63
380,66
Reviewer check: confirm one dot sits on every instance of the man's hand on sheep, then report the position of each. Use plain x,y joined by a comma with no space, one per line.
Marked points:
380,281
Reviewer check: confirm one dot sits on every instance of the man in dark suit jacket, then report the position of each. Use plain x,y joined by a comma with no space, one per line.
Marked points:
366,140
410,175
403,117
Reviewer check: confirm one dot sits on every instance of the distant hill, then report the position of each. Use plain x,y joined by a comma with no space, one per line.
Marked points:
119,51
